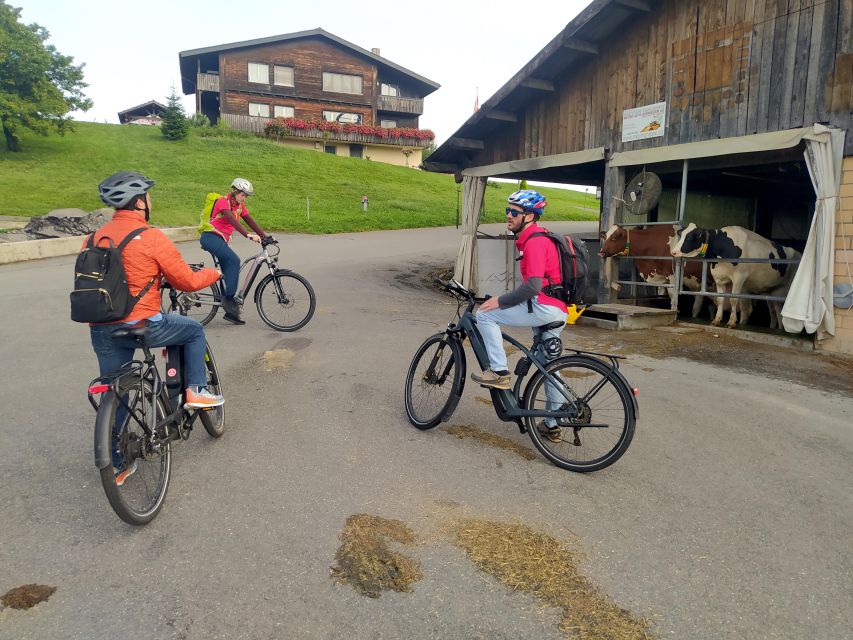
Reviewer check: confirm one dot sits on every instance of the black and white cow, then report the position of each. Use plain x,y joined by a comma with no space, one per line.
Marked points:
743,277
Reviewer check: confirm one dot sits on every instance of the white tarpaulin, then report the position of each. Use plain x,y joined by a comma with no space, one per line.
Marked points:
465,273
809,302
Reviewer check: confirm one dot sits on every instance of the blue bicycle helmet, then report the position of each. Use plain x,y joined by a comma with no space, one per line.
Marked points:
530,201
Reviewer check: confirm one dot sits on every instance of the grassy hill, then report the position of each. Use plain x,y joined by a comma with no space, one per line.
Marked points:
56,172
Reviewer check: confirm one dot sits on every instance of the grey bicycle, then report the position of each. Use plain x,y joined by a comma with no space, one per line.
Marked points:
585,393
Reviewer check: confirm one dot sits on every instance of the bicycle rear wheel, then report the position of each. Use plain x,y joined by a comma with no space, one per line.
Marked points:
434,382
604,402
213,419
201,305
285,301
139,499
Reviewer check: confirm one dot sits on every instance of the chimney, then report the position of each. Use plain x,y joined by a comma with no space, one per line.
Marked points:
375,51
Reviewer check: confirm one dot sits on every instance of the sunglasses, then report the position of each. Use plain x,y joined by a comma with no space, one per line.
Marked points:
513,212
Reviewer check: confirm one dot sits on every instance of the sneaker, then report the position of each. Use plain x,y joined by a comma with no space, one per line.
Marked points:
554,434
492,380
232,311
121,476
202,399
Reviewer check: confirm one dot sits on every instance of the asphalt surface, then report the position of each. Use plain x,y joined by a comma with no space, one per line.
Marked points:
729,517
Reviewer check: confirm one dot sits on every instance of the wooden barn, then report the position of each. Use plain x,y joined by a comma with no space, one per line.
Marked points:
730,112
329,94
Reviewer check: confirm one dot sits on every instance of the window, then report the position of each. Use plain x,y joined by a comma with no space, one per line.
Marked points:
257,109
330,148
283,76
283,112
341,83
388,124
389,89
356,151
342,117
259,73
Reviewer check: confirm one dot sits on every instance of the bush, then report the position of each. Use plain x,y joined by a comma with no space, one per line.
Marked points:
199,121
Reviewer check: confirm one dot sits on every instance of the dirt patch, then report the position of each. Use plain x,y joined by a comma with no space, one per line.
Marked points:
484,401
419,276
277,359
823,372
27,596
366,561
529,561
475,432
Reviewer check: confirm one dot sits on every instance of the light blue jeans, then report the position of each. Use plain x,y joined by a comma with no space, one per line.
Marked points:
489,323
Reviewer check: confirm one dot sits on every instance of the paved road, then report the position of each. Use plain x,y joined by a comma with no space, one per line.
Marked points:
729,517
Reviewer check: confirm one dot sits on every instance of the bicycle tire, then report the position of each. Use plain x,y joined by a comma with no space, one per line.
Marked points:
605,398
298,294
444,363
141,497
213,419
201,305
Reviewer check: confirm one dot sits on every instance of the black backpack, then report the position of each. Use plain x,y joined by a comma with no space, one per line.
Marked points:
100,291
574,268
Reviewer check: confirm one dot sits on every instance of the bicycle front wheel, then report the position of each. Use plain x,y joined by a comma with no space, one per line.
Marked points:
434,382
285,301
604,426
139,499
201,305
213,419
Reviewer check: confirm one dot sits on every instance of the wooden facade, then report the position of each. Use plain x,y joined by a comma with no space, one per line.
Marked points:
309,54
724,68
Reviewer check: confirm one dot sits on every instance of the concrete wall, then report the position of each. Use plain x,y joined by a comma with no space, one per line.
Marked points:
843,340
377,153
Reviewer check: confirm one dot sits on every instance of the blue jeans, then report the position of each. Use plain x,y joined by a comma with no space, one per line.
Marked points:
229,261
172,330
489,323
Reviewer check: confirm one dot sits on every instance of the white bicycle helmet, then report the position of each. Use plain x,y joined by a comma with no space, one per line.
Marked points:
241,184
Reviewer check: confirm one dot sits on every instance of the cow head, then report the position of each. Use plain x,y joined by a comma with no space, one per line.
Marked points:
690,242
614,242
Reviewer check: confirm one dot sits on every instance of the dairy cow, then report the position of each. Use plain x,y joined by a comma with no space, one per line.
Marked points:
652,241
743,277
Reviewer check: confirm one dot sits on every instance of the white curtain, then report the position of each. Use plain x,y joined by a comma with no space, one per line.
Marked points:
809,302
473,189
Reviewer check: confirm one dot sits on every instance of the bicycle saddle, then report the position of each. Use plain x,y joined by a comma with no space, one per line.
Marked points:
552,325
137,330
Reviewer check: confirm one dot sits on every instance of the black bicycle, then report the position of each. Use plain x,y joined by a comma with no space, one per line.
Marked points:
285,299
139,415
584,394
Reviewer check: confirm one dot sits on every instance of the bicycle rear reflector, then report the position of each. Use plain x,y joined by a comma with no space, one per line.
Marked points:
99,388
636,392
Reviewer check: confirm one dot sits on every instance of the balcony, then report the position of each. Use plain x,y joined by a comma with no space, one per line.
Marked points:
394,104
256,124
207,82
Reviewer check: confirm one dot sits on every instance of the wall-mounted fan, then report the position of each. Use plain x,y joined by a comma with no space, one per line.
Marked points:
642,193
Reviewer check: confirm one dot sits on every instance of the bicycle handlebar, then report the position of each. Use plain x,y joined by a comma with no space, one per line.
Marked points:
267,240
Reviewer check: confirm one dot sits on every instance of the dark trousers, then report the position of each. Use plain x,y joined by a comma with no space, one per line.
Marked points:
229,261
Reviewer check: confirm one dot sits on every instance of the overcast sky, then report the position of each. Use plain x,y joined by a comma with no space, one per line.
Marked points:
131,49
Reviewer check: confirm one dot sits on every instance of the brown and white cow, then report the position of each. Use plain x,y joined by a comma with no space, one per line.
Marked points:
652,241
743,277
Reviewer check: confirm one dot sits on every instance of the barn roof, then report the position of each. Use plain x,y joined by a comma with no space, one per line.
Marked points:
594,28
188,58
150,108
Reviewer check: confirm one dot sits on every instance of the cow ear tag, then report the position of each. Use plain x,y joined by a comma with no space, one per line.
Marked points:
703,250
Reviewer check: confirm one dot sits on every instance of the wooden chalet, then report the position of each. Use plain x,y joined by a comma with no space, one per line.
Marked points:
311,77
729,102
150,113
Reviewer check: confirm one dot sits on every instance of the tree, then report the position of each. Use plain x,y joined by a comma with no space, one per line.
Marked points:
175,124
38,85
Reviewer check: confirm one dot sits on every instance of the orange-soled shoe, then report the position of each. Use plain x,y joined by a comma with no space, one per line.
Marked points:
202,399
123,475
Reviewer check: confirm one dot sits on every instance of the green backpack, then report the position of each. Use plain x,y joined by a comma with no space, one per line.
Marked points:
209,202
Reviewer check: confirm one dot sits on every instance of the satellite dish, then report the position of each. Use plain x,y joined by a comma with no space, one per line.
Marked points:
642,193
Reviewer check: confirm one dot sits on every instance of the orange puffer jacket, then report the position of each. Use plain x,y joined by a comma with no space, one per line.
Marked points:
149,255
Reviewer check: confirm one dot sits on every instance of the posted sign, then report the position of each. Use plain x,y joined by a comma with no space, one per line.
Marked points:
643,122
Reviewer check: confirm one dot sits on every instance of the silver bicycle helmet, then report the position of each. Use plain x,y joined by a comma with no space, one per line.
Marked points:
241,184
122,187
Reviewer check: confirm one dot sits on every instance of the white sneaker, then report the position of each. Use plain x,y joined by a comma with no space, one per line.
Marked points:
202,399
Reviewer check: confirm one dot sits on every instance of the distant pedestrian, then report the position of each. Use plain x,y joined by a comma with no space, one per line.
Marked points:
364,203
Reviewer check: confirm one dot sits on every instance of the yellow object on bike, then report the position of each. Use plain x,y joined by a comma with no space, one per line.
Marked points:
574,312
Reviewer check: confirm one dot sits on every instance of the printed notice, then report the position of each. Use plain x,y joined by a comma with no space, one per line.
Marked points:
643,122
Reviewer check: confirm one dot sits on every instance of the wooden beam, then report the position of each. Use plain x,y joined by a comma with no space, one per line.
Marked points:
441,167
635,5
583,46
466,144
503,116
538,84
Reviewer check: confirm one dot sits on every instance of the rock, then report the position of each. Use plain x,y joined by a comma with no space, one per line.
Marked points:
66,222
14,236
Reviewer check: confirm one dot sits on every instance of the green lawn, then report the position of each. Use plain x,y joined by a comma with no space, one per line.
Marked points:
56,172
